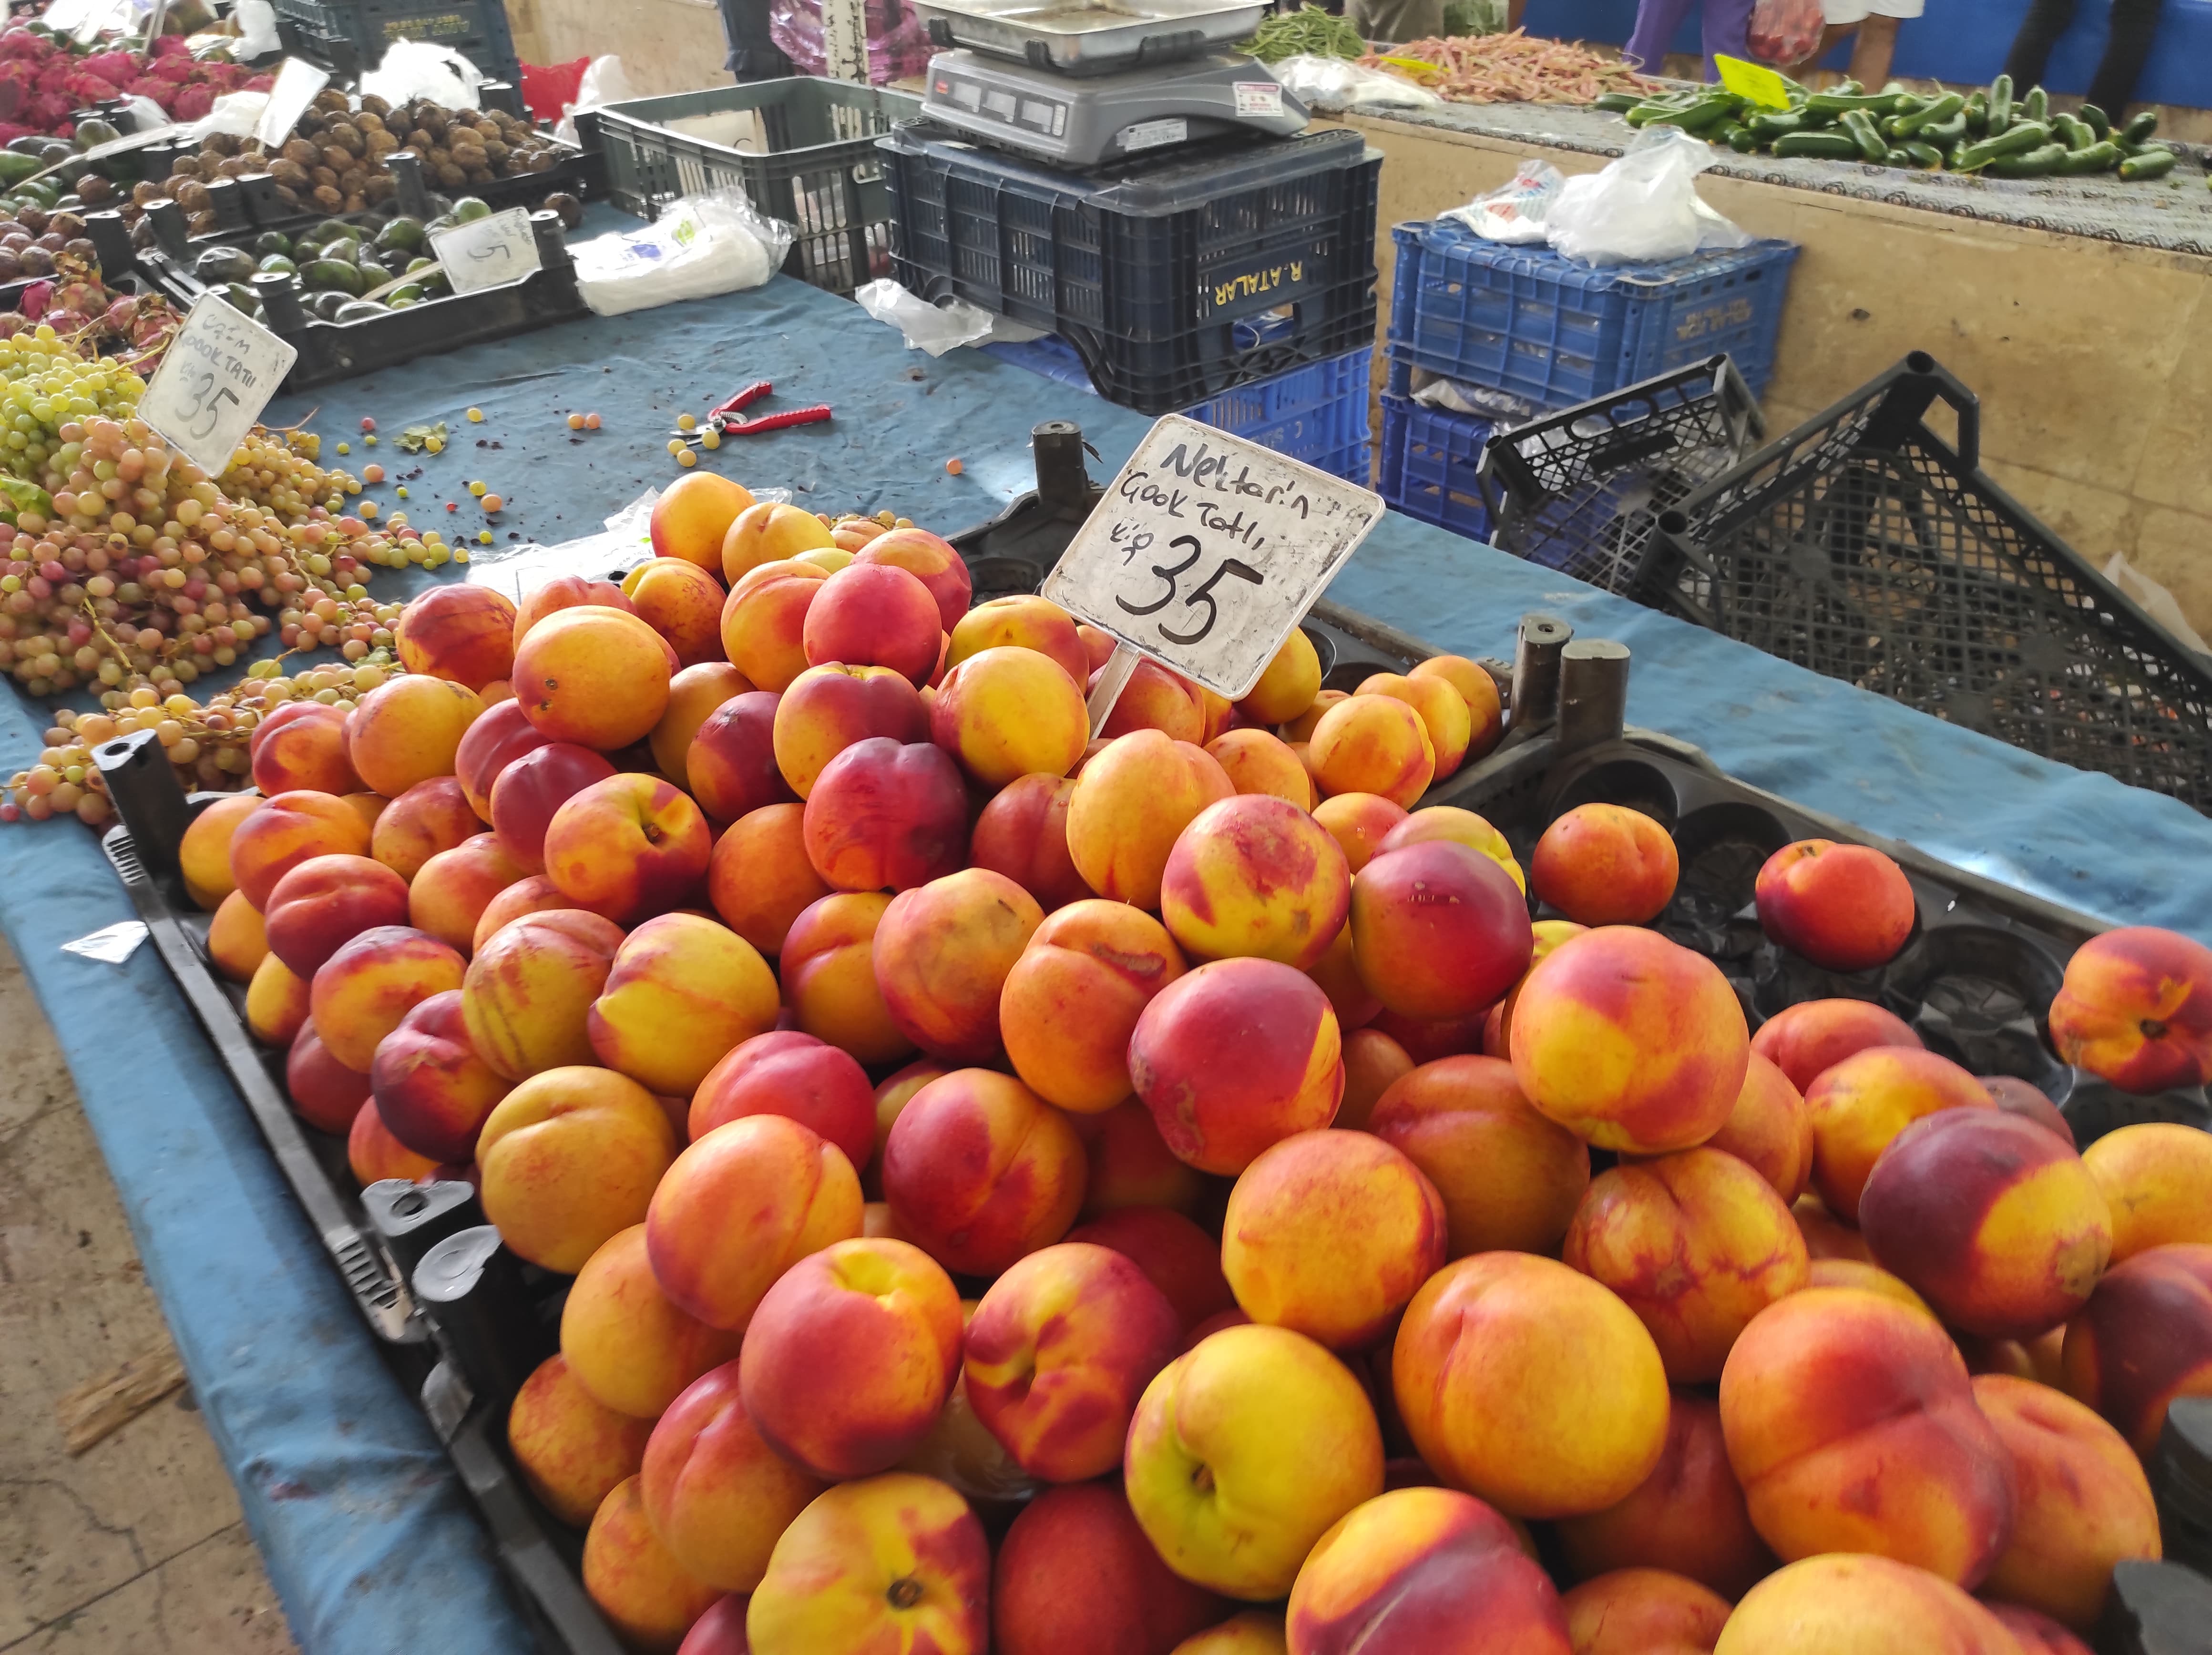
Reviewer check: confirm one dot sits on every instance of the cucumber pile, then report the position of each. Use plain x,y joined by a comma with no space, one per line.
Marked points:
341,265
1987,132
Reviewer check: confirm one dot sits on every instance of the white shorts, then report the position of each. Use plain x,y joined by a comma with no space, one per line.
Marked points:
1842,13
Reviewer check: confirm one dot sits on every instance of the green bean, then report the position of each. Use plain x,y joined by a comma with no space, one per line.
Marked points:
1309,30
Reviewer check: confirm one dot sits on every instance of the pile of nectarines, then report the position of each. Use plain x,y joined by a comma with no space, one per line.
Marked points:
1163,1194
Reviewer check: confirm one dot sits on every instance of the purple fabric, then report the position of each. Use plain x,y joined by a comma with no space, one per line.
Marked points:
1726,24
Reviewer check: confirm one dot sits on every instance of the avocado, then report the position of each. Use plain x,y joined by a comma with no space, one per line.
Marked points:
467,209
360,310
93,132
402,234
324,306
241,297
277,265
223,264
273,241
336,274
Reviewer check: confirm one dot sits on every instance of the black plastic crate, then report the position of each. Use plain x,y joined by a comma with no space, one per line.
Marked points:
1581,490
1866,546
350,37
808,157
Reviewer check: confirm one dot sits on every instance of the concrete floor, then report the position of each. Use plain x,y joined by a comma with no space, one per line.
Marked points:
137,1545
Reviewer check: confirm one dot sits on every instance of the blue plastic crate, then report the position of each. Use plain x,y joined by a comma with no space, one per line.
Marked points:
1527,320
1316,413
1425,464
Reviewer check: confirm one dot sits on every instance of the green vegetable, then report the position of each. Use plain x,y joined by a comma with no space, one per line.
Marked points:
1309,30
2100,157
2036,106
1816,146
1917,154
2099,122
1616,103
1838,103
1953,131
1934,114
2074,133
2151,164
1977,114
2039,163
2000,104
1741,139
1770,124
2014,140
1860,126
2139,129
1698,118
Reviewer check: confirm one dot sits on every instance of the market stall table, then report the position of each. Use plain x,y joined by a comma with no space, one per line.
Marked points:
368,1537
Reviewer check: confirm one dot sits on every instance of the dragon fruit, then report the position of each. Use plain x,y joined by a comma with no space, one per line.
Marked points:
113,67
120,316
192,102
35,298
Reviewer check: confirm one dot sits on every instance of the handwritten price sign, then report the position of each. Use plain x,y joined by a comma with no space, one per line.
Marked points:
221,371
488,252
1207,549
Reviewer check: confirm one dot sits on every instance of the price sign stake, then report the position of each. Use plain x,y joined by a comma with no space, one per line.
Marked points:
488,252
221,371
1205,552
297,85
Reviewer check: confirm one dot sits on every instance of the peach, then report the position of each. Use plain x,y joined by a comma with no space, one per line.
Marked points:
759,877
692,516
564,592
1373,1064
2136,1009
827,708
1485,707
1605,865
1256,1632
885,815
1425,1569
730,765
628,846
1236,1056
530,988
717,1494
1845,908
1448,822
1329,1234
942,953
1860,1605
1443,713
1098,647
635,1580
497,738
1359,823
1688,1517
203,853
532,789
1872,1278
932,560
285,831
1769,1130
324,1093
276,1002
1298,731
2038,1634
1156,699
889,1099
895,1562
2144,1338
1337,973
595,676
1990,1219
408,730
767,532
2083,1503
1179,1260
1373,745
1827,1236
683,991
1021,621
1257,762
569,1157
1288,687
572,1448
1696,1243
1510,1337
883,1316
960,1452
368,807
786,1073
2156,1179
830,976
1131,803
981,1171
1643,1612
1850,1422
873,614
1076,1576
1804,1041
682,602
533,894
1071,1001
1023,833
1255,876
694,694
1440,931
1631,1041
626,1343
361,993
301,745
1858,1105
325,902
372,1155
457,631
2018,1097
1058,1352
1130,1164
1007,712
429,817
1243,1453
433,1091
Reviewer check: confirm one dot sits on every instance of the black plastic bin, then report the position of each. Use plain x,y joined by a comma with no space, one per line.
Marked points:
1174,279
350,37
1867,546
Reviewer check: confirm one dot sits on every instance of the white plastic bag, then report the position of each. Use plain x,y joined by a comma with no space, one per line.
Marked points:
934,327
1514,212
256,29
700,246
604,82
415,69
2157,601
1337,83
1642,208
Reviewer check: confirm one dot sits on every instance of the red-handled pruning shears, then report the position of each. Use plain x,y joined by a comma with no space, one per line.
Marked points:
727,418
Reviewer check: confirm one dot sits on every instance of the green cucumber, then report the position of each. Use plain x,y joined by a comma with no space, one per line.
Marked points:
2035,106
2000,104
1741,139
2037,163
2015,140
2099,122
1616,103
2099,157
1977,114
2073,132
1934,114
2139,129
1816,146
1860,126
1955,130
1770,124
1917,154
1837,103
2150,164
1698,118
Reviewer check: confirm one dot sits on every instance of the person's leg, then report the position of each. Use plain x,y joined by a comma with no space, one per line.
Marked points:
1657,21
2031,48
1876,45
2134,25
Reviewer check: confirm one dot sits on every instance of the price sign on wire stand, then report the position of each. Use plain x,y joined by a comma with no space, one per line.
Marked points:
488,252
220,370
1205,552
298,84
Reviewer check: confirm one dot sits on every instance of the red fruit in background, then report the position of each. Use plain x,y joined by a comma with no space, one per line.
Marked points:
1845,908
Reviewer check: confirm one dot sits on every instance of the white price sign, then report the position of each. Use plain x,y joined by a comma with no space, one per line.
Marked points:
297,85
221,371
488,252
1207,549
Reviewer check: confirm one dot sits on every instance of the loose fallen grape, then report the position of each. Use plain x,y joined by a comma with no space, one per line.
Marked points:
590,421
493,502
476,416
575,422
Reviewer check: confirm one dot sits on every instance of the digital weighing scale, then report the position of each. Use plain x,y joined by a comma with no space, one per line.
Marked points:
1083,82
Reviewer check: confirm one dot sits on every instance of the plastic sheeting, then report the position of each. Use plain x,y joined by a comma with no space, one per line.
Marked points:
369,1542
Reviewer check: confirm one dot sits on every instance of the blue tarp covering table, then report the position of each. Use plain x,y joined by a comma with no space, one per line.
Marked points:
369,1539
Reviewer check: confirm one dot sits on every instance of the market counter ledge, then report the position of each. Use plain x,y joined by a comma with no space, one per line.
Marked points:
2091,356
369,1539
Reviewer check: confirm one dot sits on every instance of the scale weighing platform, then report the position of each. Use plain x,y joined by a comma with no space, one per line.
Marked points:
1083,82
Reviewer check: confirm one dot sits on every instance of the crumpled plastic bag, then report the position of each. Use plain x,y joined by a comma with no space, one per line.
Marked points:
899,45
256,29
1338,84
1642,208
700,246
415,69
933,327
604,82
2156,600
1514,212
235,112
1785,31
